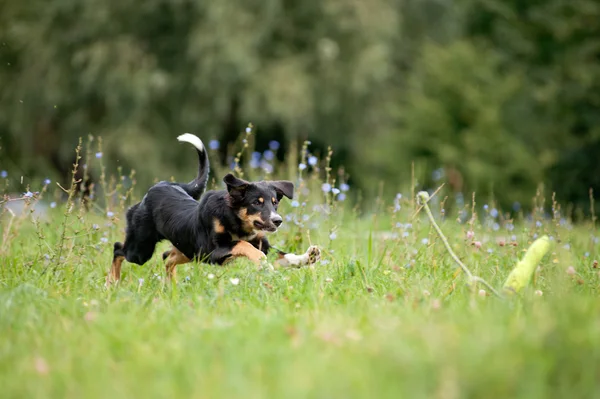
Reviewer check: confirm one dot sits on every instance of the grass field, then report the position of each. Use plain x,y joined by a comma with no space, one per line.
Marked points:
384,314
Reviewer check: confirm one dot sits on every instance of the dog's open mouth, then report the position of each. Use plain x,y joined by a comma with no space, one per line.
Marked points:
262,226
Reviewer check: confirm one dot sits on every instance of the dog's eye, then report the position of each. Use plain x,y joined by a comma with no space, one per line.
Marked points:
258,202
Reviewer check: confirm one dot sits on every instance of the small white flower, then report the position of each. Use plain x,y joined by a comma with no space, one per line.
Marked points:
141,281
328,280
234,281
248,129
301,166
211,276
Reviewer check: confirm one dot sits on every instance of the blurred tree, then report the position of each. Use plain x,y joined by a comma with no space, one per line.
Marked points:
493,91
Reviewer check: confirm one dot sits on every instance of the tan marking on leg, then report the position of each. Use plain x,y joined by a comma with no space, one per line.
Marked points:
115,270
247,250
175,258
218,226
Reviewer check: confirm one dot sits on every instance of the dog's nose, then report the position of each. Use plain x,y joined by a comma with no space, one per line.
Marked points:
277,220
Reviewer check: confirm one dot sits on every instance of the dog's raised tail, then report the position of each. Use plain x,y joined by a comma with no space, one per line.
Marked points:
196,187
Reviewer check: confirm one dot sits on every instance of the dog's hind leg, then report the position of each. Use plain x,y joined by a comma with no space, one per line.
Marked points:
174,257
115,270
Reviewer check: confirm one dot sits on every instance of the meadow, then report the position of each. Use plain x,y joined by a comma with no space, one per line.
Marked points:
385,313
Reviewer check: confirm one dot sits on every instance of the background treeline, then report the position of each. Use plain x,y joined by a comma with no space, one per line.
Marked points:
487,95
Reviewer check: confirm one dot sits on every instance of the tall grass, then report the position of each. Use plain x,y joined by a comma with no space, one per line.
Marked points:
386,313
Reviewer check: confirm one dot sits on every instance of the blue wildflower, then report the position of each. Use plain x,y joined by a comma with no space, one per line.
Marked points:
513,237
405,234
587,254
295,204
399,225
4,174
53,205
408,226
496,227
214,144
99,155
305,218
494,213
140,281
332,236
341,197
312,160
437,174
254,163
47,182
335,191
269,155
301,166
110,214
510,226
490,250
267,167
425,241
516,206
486,207
397,207
326,187
274,145
95,227
244,141
104,240
538,223
398,196
288,218
28,194
567,247
344,187
248,129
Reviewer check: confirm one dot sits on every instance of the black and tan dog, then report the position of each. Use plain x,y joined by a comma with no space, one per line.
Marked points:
221,226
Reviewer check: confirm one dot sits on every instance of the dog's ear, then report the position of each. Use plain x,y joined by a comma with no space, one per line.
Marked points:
283,187
236,187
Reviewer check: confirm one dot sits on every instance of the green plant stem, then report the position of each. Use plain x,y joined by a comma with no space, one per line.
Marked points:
423,198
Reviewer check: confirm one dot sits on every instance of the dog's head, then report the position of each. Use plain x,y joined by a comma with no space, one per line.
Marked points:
256,203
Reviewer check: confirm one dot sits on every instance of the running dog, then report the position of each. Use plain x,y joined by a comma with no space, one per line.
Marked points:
215,227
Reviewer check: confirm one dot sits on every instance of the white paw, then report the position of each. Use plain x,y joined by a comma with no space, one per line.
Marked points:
313,254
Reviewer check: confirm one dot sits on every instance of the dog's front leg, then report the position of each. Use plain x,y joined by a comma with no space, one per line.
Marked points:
237,249
311,256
